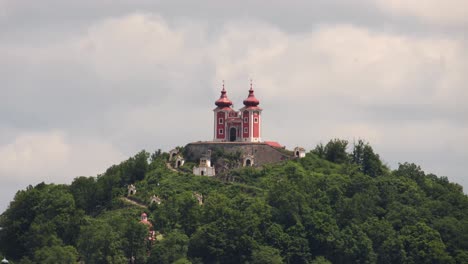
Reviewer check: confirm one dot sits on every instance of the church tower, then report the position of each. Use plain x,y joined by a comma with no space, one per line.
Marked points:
251,118
221,114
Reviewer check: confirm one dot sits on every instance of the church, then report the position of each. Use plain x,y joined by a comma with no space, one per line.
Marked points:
234,131
237,126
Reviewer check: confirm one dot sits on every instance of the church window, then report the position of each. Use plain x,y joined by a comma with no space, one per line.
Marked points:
246,120
221,120
256,120
221,131
245,130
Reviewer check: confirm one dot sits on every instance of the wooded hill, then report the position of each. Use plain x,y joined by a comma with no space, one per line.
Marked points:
329,207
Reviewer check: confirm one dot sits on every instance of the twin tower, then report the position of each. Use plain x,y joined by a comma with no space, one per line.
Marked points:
237,126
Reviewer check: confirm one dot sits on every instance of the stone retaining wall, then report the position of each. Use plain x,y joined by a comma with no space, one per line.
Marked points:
263,153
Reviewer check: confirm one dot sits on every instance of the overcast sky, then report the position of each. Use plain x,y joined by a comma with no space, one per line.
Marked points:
86,84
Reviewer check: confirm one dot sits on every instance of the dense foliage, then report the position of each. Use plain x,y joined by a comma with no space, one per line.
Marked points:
332,206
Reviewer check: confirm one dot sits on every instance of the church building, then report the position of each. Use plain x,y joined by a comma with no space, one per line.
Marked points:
236,131
237,126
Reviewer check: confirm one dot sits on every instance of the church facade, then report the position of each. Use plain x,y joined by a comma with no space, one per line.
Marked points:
237,126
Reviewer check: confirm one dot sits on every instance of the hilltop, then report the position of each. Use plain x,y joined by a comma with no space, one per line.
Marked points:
331,206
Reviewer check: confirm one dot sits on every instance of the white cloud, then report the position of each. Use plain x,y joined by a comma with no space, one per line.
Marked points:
449,12
342,60
32,153
53,158
133,46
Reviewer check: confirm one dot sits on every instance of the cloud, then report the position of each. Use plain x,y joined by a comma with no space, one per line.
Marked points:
340,61
53,158
448,12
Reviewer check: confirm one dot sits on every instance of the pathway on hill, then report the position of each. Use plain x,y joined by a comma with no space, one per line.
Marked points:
125,199
168,165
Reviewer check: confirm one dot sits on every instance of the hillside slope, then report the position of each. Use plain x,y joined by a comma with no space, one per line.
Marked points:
310,210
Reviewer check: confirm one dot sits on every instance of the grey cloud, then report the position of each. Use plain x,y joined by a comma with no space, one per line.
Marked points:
39,18
458,117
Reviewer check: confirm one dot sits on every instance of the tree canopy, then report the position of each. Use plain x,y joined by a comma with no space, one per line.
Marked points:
339,204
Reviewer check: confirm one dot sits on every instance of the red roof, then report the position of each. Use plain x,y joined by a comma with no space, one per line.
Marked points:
223,101
251,100
274,144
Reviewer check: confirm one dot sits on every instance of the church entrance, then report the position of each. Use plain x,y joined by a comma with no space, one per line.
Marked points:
232,134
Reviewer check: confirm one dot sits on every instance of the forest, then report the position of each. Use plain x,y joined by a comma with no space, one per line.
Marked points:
339,204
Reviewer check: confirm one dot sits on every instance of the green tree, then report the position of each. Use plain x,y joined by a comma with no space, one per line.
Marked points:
174,247
335,151
364,156
99,243
354,246
423,245
320,260
56,254
266,255
84,190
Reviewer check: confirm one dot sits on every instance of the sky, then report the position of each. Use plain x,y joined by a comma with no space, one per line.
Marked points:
87,84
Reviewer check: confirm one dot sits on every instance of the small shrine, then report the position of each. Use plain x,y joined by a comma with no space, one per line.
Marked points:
299,152
179,161
151,233
248,160
204,168
199,198
131,190
155,199
173,153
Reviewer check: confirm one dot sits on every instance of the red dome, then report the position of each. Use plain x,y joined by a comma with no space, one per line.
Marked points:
251,100
223,101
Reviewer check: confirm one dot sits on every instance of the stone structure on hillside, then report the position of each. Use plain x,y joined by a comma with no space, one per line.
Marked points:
151,233
155,199
204,168
199,198
299,152
248,160
131,190
173,153
263,153
179,161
